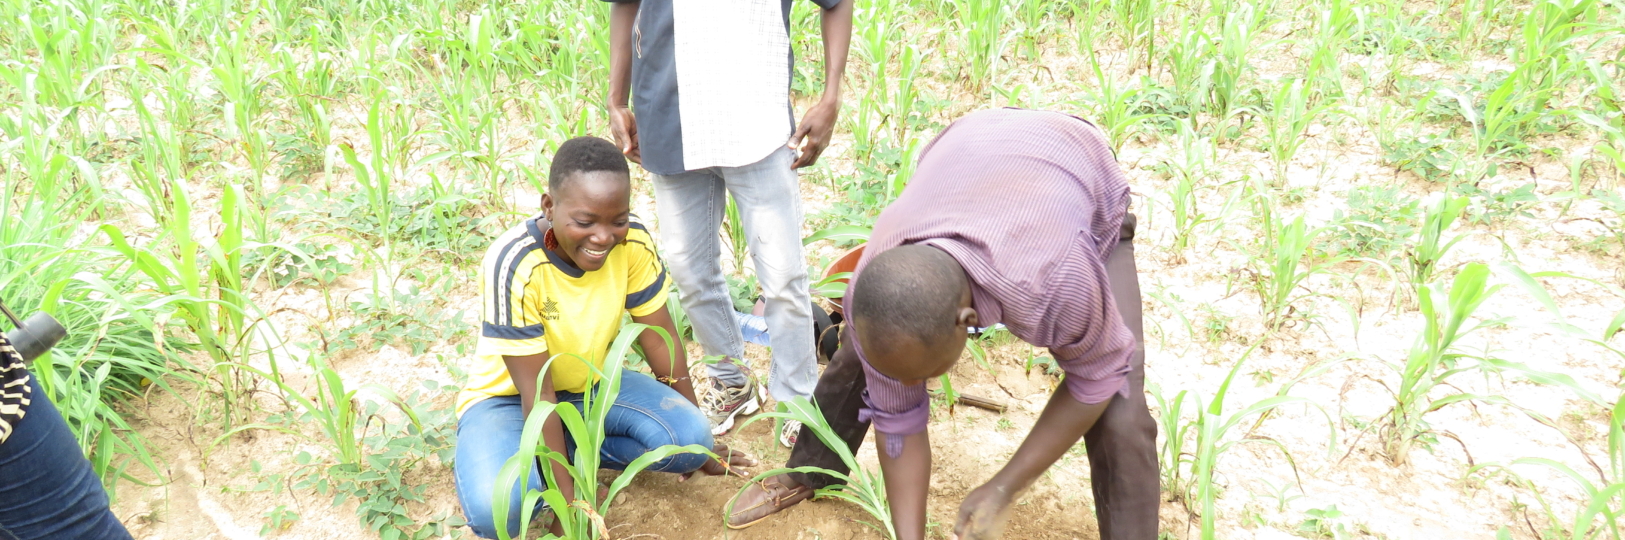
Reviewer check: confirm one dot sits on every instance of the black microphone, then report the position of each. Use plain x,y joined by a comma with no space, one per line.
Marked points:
34,336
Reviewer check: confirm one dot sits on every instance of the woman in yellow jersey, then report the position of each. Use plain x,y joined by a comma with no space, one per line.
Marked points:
556,285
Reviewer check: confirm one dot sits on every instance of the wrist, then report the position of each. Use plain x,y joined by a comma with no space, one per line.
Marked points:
831,97
1006,486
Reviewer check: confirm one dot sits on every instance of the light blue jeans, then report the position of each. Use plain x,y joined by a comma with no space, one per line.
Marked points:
646,416
690,206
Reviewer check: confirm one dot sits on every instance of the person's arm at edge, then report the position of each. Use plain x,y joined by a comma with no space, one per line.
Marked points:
523,370
623,125
908,478
818,126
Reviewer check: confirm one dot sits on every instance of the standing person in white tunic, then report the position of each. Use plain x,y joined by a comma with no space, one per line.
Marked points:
709,85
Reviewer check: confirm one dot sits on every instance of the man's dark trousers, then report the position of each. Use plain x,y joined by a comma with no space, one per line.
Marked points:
1122,445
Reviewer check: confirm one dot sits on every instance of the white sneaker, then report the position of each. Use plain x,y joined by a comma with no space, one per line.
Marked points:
789,432
724,403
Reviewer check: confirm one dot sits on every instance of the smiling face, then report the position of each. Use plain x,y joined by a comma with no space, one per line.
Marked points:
590,214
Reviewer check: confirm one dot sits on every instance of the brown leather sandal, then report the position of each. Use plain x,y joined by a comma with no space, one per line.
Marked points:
763,499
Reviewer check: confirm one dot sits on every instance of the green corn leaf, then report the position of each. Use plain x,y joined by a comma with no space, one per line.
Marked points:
842,233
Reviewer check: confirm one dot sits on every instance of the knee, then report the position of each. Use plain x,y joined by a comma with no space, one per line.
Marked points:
690,427
788,284
687,426
694,435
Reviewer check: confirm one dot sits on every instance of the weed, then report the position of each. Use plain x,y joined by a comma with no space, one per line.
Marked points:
1378,223
1324,523
278,520
1616,204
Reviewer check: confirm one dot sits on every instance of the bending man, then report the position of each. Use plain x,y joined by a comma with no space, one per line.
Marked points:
1015,217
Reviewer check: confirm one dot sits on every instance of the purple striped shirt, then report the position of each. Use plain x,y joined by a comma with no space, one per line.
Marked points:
1029,203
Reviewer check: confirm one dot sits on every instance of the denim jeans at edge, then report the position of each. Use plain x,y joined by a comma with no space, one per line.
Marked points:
690,206
647,415
47,487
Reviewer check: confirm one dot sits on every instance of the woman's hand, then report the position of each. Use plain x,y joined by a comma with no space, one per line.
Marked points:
735,460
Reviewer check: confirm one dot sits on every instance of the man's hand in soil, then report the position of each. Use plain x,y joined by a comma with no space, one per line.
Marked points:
1063,422
713,467
982,515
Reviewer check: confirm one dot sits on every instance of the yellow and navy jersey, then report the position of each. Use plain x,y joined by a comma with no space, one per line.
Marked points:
535,302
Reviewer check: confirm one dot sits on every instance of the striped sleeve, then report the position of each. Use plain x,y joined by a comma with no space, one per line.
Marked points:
15,393
646,278
511,322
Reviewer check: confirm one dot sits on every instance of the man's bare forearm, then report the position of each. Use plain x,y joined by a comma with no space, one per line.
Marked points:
622,16
908,479
836,25
1063,422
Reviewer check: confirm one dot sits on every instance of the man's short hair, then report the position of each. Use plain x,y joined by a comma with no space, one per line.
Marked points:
910,290
584,155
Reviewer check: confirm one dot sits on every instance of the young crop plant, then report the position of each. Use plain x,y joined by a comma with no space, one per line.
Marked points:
237,81
1192,167
1136,24
1227,81
860,486
1430,245
582,516
1285,259
1190,453
738,240
203,282
1602,338
1603,502
982,26
1435,357
1295,107
1338,25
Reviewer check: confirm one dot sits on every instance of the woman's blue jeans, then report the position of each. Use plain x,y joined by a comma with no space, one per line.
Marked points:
47,488
647,415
